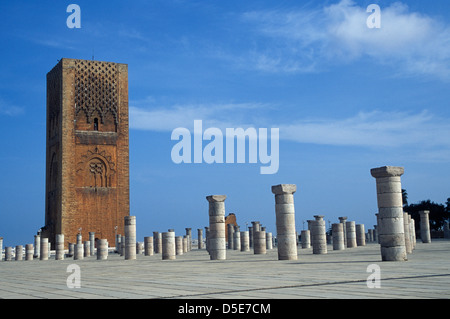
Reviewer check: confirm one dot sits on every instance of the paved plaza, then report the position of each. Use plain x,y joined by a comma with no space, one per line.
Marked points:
338,274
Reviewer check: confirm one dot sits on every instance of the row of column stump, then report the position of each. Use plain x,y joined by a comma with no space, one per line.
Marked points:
395,231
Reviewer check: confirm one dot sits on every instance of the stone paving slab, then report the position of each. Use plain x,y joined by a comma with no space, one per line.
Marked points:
336,275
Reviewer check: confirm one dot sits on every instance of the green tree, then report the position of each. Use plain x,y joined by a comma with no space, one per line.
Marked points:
438,213
404,197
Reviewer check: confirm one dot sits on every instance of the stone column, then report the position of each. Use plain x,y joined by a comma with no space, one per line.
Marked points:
230,232
8,253
245,241
407,231
92,243
130,237
139,248
122,246
306,238
71,251
250,236
269,241
189,238
351,234
44,249
391,231
102,249
259,242
87,248
168,246
59,247
370,235
157,242
338,236
319,235
29,252
360,235
185,243
118,243
37,246
285,221
425,234
412,232
19,252
148,246
216,238
199,238
1,249
343,220
78,253
179,245
237,238
206,238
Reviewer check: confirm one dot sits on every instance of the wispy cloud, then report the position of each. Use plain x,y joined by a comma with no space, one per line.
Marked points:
305,40
422,134
10,109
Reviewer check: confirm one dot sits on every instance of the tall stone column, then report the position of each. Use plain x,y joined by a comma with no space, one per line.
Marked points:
237,238
306,238
189,238
148,246
200,238
319,235
206,238
285,221
391,231
87,248
37,246
259,242
92,243
343,220
78,253
118,243
44,249
179,245
59,247
216,238
102,249
245,240
269,241
338,236
250,236
360,235
370,235
130,237
407,230
168,246
351,234
412,232
425,234
29,252
230,233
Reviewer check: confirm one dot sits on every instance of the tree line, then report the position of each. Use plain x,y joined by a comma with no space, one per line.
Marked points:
439,213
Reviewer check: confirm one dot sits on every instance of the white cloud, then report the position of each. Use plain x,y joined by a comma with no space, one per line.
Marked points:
422,135
9,109
305,39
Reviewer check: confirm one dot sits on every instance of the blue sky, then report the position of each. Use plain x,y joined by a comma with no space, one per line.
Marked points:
345,98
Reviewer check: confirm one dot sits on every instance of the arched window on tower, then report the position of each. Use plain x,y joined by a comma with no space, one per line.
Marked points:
96,124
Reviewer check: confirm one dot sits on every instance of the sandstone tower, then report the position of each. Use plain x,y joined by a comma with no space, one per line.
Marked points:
87,169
